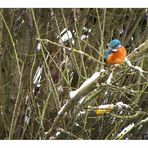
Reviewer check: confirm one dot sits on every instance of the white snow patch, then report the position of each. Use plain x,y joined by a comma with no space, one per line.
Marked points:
37,77
27,97
80,102
139,69
66,36
121,105
62,108
87,29
110,78
58,133
38,48
27,120
83,37
74,93
76,124
81,113
107,106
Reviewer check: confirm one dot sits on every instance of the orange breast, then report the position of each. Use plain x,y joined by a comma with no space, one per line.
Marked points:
117,57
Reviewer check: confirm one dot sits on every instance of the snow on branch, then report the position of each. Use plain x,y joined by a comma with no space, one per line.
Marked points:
109,78
137,52
108,108
89,82
130,127
121,106
76,96
125,131
140,50
143,121
37,77
137,68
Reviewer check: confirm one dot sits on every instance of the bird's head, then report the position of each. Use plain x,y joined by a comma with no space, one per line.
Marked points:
114,44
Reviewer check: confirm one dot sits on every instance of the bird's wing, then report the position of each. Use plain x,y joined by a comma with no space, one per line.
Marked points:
106,54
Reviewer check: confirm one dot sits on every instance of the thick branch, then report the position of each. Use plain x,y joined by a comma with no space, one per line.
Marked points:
76,95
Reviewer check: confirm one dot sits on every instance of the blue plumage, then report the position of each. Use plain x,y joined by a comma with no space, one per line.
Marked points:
107,53
114,44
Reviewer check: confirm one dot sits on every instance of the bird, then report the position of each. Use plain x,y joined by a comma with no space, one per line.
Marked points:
115,54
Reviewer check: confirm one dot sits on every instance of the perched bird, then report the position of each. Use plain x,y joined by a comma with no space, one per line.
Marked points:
115,54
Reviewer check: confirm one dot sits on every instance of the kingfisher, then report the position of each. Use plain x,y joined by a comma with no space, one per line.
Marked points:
115,54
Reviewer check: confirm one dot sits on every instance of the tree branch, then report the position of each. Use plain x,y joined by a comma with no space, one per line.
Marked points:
76,95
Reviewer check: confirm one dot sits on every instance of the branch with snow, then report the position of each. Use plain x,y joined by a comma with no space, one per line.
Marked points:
77,95
143,121
121,106
140,50
37,77
137,52
125,131
109,78
130,117
108,108
86,85
130,127
137,68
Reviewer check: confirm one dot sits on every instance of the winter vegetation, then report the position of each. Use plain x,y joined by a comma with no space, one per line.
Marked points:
54,83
